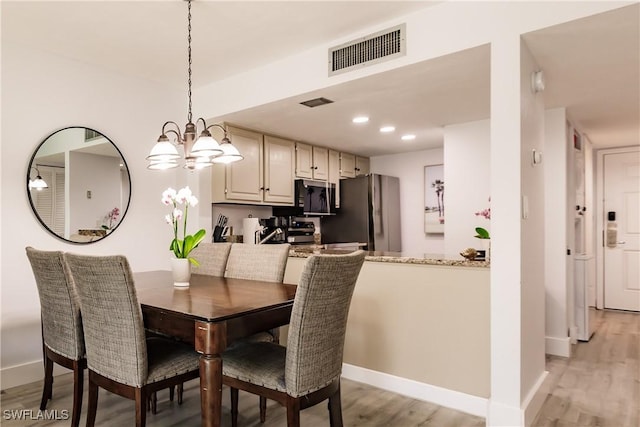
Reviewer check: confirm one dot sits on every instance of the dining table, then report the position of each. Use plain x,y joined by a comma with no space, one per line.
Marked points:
210,314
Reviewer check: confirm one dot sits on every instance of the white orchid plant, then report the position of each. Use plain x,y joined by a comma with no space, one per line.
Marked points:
182,247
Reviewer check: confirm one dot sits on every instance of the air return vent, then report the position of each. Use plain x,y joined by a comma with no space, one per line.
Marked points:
381,46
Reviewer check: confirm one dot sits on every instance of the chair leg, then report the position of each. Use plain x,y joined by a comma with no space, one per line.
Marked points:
141,407
335,409
293,412
172,392
48,382
180,391
78,384
153,402
234,406
92,404
263,409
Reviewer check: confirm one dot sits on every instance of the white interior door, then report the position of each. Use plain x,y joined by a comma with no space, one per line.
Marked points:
622,231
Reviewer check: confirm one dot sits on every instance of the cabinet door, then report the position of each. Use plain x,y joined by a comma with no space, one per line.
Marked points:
279,155
244,178
362,165
320,163
304,161
334,173
347,165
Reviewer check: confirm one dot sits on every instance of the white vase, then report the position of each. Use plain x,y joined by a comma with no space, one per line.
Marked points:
486,245
181,269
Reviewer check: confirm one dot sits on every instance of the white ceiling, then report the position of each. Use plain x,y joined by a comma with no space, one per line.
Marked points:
592,66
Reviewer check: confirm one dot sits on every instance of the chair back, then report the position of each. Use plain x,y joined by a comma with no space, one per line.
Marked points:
112,318
212,258
257,262
318,324
59,304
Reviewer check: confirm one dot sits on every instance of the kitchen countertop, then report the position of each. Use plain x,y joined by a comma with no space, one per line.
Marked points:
392,257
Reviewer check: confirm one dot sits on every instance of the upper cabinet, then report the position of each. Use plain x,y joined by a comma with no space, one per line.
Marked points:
304,160
311,162
347,165
265,176
362,165
279,155
320,163
271,164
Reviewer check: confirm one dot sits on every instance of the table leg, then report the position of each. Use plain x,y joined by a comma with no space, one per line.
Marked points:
210,341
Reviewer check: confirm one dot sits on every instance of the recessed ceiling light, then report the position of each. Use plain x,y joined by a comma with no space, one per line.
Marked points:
408,137
360,119
387,129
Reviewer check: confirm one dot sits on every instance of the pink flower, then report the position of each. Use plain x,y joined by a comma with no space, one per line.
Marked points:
177,214
168,196
184,195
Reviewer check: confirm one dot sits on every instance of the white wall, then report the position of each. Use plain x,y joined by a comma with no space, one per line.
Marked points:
556,260
42,93
409,167
467,171
533,243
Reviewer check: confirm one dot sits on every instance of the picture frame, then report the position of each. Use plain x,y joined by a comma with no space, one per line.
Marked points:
434,212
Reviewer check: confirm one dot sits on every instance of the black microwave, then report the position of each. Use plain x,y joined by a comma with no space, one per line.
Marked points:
315,197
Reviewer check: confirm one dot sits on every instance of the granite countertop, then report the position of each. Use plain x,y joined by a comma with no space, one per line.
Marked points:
392,257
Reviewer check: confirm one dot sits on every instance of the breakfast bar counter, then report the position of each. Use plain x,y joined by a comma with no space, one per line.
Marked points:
420,323
391,257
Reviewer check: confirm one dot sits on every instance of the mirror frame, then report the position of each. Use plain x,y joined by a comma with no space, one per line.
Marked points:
31,165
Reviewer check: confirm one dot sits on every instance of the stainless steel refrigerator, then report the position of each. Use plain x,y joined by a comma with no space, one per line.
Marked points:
369,213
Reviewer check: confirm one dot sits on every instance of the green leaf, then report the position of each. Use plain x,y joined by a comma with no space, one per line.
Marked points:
194,262
482,233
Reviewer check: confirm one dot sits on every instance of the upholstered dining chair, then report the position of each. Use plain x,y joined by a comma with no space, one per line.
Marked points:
308,370
120,358
62,338
212,258
259,262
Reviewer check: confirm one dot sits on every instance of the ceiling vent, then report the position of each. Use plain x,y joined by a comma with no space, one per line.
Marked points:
381,46
316,102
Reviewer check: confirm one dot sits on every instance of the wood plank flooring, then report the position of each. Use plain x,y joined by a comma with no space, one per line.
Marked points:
598,386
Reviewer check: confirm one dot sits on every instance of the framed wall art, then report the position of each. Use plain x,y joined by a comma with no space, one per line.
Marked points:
434,199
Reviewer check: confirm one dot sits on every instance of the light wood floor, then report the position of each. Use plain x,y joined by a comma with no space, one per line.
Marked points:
598,386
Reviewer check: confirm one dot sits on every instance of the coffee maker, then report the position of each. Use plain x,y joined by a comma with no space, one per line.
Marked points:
274,230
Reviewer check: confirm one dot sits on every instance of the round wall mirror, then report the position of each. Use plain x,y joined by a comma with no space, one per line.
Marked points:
79,185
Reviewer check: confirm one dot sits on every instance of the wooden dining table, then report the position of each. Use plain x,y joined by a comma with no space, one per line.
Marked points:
210,314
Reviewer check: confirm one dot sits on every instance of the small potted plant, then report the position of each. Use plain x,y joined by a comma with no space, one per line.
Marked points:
181,248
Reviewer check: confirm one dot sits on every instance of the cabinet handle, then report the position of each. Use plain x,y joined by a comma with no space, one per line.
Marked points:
261,188
267,189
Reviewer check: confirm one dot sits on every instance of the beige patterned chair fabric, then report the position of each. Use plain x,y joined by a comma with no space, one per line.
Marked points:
212,258
313,356
113,328
257,262
60,307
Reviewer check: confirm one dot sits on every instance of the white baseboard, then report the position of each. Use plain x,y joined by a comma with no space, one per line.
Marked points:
535,399
26,373
468,403
558,346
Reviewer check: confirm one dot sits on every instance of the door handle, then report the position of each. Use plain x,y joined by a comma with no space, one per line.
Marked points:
621,242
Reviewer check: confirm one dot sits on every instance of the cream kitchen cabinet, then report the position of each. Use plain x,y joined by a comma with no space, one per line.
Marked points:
362,165
311,162
334,173
347,165
265,176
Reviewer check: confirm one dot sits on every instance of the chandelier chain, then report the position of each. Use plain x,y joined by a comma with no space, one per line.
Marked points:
189,116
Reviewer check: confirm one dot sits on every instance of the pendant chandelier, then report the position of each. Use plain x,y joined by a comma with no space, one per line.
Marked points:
38,184
198,153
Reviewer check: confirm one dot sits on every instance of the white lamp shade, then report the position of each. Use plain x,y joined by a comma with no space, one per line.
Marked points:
163,150
230,154
206,146
38,183
162,164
